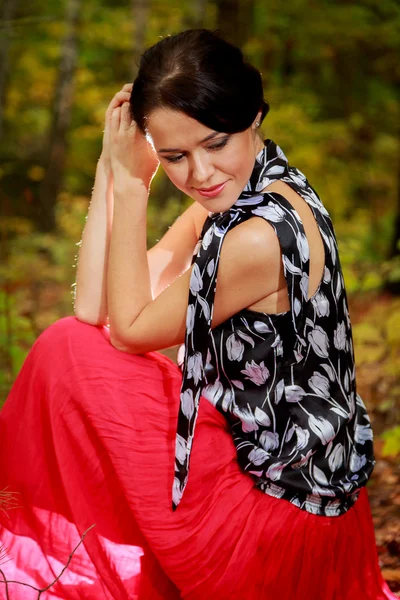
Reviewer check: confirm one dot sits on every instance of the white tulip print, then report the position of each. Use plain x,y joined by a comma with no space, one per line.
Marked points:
278,345
246,338
210,267
258,456
319,476
289,266
274,471
213,392
322,428
234,348
319,384
195,367
321,304
227,400
271,212
327,275
190,318
280,388
357,461
187,403
269,440
249,201
330,372
180,450
319,342
262,327
205,307
304,285
336,457
176,492
294,393
196,281
261,417
339,336
303,437
363,433
299,179
207,237
247,418
302,245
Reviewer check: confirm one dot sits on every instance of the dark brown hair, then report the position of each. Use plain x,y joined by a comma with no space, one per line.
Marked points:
200,74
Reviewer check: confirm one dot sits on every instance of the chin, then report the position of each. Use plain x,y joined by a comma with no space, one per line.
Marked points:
219,204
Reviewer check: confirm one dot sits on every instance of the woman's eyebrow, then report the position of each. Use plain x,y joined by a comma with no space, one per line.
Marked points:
209,137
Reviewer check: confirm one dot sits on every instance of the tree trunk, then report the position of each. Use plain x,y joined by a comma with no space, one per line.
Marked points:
235,20
5,36
140,13
57,148
197,16
394,251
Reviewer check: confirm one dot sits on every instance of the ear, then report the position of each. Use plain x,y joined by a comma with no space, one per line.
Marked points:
257,120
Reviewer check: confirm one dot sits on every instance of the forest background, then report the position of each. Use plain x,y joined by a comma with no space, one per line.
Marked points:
331,72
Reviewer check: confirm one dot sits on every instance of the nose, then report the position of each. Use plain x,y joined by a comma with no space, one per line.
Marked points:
202,170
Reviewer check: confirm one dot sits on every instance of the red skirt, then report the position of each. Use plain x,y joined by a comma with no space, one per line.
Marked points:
87,438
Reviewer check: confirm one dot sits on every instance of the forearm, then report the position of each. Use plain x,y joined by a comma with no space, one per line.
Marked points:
128,276
91,276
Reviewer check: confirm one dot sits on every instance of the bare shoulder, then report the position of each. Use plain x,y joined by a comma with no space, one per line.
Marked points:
252,245
249,270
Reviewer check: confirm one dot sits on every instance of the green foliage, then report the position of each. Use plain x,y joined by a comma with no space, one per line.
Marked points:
391,438
376,333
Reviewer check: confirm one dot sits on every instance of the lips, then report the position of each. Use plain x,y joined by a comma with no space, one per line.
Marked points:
213,191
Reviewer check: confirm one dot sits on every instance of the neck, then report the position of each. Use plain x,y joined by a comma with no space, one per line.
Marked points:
259,145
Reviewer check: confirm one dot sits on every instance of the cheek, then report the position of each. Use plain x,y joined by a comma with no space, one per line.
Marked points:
239,161
177,175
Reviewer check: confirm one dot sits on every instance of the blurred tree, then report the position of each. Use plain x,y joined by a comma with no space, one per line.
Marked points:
197,15
61,118
5,36
235,19
140,17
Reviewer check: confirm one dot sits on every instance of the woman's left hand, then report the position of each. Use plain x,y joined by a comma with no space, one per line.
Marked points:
131,155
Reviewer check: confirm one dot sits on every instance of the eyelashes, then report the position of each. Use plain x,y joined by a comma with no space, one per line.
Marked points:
213,148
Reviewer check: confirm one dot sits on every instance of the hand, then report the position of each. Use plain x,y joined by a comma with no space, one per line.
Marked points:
131,155
118,100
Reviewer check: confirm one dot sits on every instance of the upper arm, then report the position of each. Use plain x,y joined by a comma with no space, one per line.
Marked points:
172,255
249,269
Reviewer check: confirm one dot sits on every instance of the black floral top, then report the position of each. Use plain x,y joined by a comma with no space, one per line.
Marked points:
286,382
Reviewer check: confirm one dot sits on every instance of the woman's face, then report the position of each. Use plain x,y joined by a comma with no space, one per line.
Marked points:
209,166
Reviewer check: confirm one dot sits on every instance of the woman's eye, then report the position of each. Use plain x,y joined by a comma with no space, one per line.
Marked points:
219,145
174,159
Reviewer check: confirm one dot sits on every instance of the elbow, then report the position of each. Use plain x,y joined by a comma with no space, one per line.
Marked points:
122,342
90,317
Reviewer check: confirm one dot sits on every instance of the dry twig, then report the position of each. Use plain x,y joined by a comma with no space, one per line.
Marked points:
42,590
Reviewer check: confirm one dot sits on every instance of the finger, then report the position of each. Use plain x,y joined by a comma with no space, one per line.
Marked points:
115,119
126,118
119,98
127,87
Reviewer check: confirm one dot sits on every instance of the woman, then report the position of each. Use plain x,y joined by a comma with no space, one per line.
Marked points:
279,449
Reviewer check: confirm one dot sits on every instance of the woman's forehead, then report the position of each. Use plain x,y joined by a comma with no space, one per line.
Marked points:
172,129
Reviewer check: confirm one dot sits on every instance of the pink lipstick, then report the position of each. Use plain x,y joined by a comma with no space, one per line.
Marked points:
213,191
